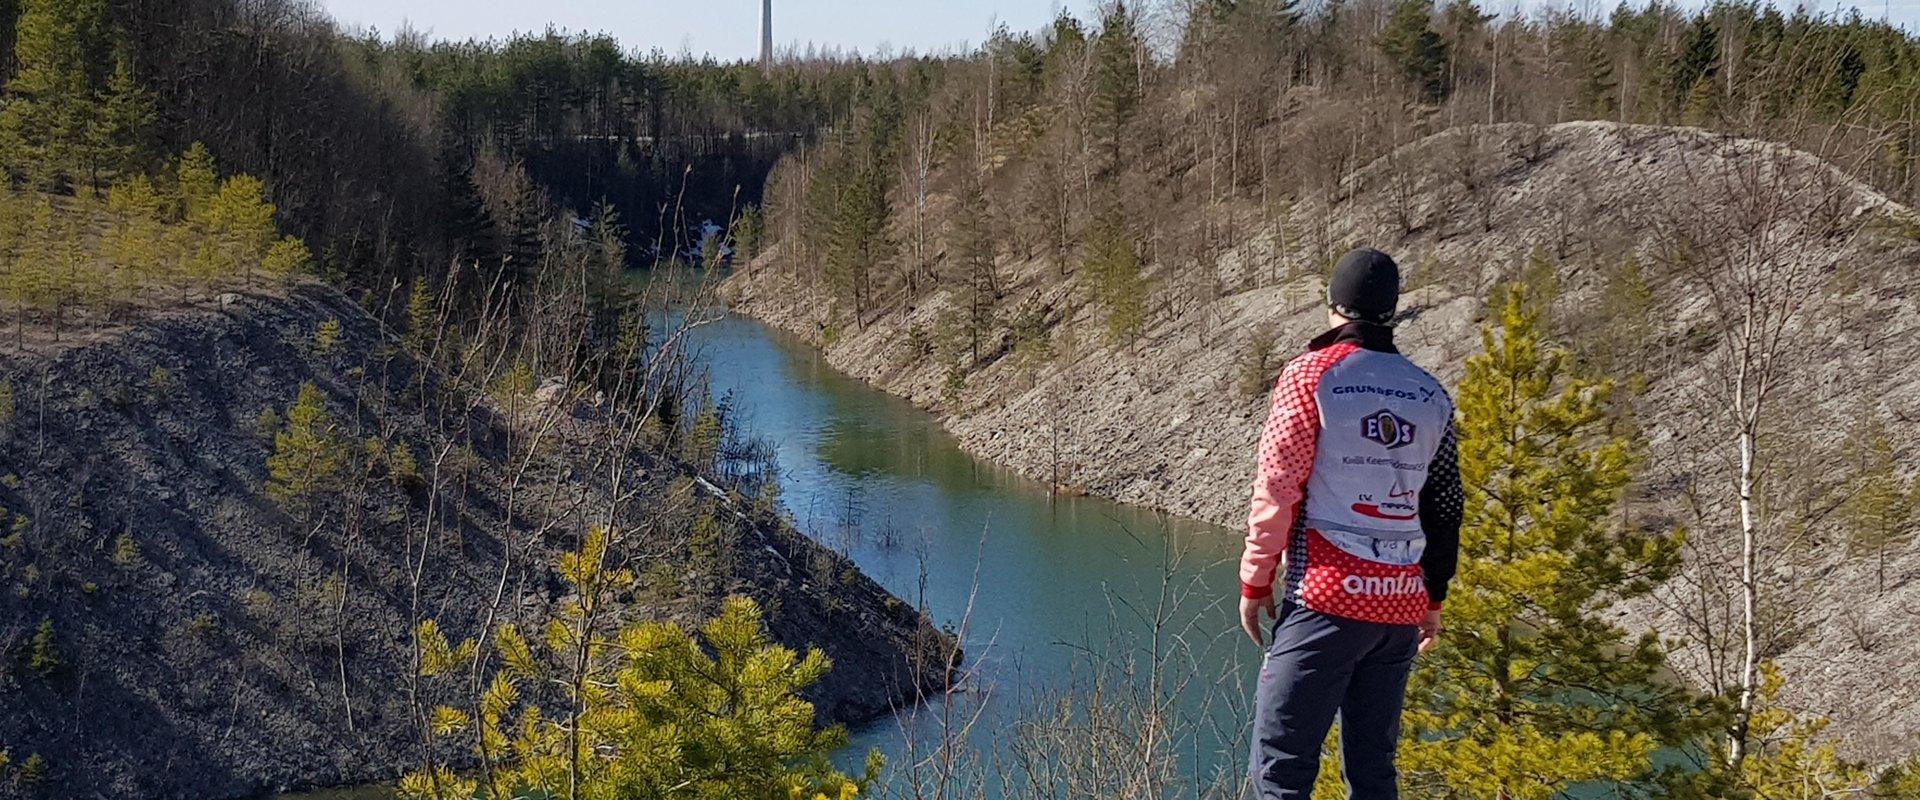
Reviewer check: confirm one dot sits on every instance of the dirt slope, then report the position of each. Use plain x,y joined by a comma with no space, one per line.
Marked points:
217,656
1164,422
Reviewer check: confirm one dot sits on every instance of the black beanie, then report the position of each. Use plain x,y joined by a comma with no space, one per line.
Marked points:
1365,286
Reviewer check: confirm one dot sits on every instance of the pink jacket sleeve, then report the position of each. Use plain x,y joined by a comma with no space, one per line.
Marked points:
1280,478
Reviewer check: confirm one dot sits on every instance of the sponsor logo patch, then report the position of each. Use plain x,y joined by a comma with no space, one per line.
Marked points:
1420,393
1398,506
1387,429
1402,584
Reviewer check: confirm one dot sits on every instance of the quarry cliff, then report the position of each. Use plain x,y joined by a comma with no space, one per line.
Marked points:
1610,222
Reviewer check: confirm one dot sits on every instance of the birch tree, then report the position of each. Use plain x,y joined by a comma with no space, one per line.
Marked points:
1754,242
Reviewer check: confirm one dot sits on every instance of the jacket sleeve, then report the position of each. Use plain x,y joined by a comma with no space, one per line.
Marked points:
1441,504
1280,478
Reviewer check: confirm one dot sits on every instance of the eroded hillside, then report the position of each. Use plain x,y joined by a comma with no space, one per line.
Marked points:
1625,226
171,627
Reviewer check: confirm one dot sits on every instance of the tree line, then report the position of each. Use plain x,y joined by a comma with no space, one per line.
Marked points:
375,149
1154,134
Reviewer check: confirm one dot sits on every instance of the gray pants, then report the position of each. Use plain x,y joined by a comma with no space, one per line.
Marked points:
1319,666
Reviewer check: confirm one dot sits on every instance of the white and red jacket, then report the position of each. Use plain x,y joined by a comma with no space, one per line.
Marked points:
1357,490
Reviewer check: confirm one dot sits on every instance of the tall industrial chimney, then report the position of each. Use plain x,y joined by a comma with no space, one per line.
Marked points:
766,35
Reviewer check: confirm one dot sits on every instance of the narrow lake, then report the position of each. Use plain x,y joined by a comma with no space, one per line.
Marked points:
1044,590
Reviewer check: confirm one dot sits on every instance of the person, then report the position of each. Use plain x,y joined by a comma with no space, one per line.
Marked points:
1356,510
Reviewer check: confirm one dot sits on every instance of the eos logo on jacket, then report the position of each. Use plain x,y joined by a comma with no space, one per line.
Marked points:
1389,430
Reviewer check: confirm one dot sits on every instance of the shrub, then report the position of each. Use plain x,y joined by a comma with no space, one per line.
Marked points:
1256,364
307,455
954,382
202,625
42,657
916,346
33,772
326,338
267,423
159,383
286,258
125,551
402,468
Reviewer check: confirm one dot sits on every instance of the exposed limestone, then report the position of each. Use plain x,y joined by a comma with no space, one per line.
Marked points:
1163,422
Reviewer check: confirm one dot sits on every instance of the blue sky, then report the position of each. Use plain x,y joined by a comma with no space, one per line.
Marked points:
729,29
724,28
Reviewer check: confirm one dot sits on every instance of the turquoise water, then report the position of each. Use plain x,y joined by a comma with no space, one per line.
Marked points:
1043,590
1046,593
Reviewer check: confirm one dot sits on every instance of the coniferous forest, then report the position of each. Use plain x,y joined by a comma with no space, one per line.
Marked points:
343,440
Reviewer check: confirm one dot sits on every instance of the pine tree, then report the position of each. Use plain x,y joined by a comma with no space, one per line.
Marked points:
1691,88
1898,782
237,223
286,258
33,280
647,710
515,211
403,468
747,232
134,239
1257,371
1532,690
117,135
1208,22
1410,42
606,290
1703,102
1879,507
59,270
44,121
1599,90
1626,330
308,454
857,238
1465,21
420,318
1066,41
326,338
1032,340
42,655
194,181
704,438
1111,264
1117,80
974,261
13,223
710,547
1791,757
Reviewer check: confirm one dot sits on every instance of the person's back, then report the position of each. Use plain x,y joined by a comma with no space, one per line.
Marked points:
1357,493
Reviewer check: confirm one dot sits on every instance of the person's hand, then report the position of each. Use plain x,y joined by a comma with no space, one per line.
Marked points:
1430,630
1250,617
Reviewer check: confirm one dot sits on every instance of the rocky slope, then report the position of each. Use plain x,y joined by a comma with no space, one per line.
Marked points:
202,642
1165,421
